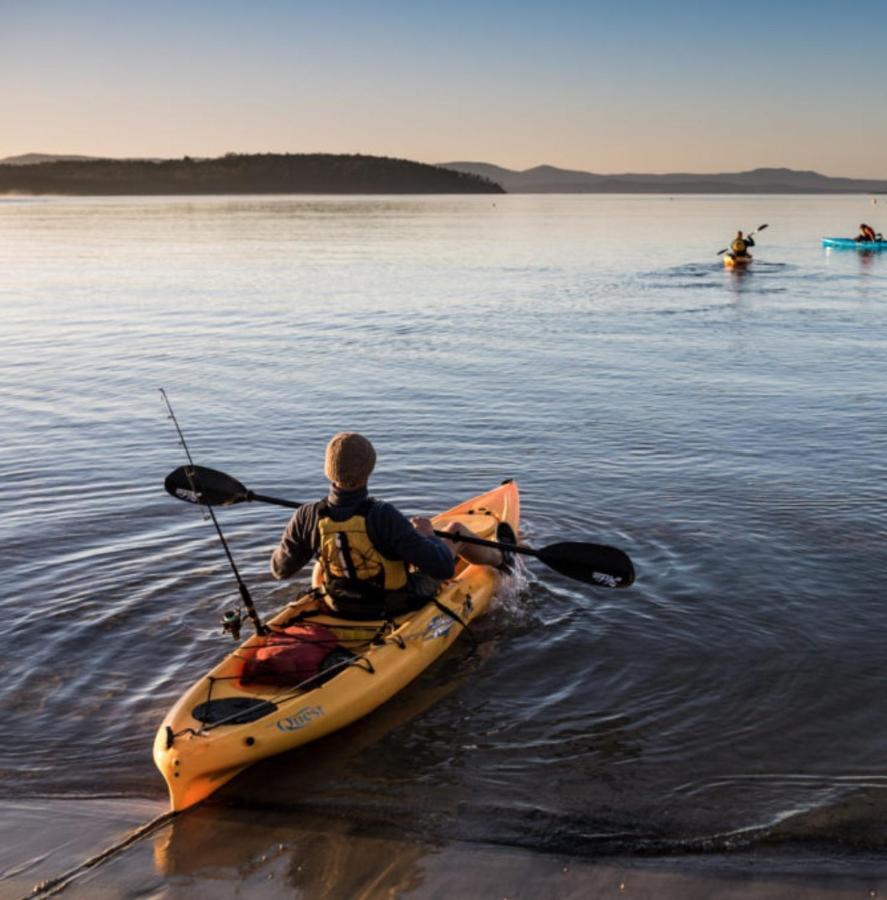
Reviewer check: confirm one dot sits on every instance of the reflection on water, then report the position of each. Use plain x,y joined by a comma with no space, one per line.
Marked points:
297,852
726,430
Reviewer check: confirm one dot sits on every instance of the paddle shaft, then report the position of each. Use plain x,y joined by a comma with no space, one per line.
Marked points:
261,498
481,542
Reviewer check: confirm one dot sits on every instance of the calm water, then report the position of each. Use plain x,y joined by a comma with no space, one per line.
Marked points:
729,431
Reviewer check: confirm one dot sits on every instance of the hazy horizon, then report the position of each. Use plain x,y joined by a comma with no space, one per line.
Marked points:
584,86
143,156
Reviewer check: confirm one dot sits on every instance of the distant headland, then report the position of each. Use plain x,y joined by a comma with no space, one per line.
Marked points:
551,180
235,173
330,173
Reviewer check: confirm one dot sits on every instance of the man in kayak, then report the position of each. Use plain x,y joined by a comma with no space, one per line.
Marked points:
372,561
867,234
740,245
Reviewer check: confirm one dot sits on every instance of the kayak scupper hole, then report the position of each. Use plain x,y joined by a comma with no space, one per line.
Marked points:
249,741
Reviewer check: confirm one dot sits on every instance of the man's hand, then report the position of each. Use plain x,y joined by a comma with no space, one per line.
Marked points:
423,526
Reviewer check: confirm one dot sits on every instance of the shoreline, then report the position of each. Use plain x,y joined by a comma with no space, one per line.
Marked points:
224,851
234,192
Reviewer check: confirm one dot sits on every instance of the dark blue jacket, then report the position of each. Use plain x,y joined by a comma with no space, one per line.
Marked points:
389,530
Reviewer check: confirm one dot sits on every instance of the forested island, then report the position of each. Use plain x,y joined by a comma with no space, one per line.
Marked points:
236,173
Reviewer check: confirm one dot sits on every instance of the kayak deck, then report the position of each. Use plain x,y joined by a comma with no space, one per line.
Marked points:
221,725
736,262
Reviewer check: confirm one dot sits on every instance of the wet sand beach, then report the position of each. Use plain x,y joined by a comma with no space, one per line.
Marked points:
227,852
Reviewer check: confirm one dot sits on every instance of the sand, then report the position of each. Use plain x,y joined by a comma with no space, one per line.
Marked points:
223,852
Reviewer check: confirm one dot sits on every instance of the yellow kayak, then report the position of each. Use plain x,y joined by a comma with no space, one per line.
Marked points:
221,725
736,262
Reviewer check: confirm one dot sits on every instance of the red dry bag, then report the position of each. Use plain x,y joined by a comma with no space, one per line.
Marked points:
290,656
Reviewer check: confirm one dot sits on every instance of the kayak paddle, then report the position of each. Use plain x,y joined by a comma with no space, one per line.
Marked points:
595,564
751,234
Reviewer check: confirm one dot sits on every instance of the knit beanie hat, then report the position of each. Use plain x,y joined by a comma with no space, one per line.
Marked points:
350,459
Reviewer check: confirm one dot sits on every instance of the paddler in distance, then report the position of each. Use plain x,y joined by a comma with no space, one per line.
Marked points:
740,245
867,235
372,562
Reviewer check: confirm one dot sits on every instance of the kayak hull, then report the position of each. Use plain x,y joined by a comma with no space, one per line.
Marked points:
197,758
851,244
736,262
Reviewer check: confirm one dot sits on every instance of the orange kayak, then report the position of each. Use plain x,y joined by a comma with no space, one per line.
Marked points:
736,262
220,725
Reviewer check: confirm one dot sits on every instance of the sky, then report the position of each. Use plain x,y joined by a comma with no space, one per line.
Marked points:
666,86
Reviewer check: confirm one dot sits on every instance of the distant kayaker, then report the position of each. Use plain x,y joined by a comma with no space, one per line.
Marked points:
372,561
866,234
740,245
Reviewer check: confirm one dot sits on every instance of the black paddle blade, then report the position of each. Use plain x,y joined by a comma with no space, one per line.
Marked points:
592,563
196,484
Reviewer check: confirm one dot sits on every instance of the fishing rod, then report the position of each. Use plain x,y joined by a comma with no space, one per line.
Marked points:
231,620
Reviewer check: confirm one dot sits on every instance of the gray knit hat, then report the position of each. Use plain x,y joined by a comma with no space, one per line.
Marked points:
350,459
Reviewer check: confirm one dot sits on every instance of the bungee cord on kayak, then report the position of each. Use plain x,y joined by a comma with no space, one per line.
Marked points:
206,714
211,717
247,712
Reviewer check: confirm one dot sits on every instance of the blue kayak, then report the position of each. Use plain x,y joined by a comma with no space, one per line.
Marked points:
850,244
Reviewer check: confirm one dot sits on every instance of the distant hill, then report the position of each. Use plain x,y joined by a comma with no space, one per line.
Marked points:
265,173
549,179
32,159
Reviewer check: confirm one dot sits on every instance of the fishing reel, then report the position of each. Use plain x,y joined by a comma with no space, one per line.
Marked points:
232,622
